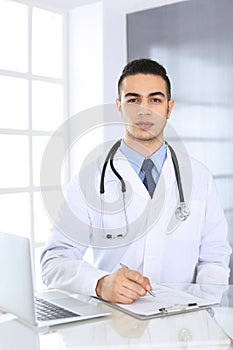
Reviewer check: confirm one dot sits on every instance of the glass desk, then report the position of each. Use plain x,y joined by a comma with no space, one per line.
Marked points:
212,329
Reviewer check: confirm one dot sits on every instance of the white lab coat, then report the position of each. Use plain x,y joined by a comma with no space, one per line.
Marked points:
157,244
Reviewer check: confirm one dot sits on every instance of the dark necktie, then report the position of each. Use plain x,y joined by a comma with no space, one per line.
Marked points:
148,181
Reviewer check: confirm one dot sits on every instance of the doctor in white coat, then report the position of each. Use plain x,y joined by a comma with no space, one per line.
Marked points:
136,226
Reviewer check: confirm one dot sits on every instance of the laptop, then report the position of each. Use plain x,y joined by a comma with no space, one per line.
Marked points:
47,308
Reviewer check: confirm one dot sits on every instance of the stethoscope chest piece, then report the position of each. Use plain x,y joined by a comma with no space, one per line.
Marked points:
182,211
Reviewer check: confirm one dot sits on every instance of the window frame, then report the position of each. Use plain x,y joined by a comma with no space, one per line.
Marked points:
32,189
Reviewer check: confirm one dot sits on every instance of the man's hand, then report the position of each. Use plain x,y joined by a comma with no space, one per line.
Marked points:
123,286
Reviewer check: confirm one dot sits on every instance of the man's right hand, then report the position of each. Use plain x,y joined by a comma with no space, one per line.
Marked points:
123,286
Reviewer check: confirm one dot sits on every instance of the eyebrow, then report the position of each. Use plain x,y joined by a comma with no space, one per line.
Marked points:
156,93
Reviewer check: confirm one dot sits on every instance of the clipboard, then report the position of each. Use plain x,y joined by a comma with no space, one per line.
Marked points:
167,301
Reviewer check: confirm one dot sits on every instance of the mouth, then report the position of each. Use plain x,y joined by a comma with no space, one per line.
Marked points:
144,125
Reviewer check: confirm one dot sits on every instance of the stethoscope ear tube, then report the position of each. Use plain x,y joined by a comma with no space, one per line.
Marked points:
177,172
182,211
123,186
110,156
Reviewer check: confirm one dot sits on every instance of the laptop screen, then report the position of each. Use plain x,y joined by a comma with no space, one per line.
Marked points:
16,285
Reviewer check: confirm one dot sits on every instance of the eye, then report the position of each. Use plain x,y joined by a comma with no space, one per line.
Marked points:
156,100
132,100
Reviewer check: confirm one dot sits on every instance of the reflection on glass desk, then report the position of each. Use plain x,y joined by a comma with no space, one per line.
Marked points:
16,336
204,329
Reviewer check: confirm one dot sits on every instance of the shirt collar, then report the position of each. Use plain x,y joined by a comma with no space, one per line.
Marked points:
136,159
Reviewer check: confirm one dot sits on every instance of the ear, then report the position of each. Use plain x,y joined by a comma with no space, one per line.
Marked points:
118,104
170,108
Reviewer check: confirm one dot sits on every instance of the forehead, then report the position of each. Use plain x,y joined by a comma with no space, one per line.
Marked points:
143,84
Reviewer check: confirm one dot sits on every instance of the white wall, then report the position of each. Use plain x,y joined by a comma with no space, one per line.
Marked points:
85,62
98,40
85,79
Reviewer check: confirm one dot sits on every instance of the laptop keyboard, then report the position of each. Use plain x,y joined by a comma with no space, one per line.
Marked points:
47,311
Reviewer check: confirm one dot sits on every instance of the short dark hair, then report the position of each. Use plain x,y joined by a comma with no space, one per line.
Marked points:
144,66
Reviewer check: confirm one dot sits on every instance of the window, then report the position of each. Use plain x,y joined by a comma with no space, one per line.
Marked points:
32,90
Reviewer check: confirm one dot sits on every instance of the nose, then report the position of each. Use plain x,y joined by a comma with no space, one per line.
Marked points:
143,110
143,107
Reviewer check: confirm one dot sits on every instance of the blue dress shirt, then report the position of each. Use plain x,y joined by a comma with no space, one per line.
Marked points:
136,159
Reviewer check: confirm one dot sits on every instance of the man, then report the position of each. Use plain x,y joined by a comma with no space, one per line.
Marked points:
195,250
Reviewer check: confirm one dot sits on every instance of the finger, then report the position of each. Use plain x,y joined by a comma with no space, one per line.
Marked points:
134,276
135,289
122,295
146,284
122,299
127,296
139,279
127,287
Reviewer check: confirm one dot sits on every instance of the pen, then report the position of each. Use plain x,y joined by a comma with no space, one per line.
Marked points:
148,291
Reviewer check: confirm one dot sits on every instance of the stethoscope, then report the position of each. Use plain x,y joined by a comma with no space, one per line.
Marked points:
182,210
